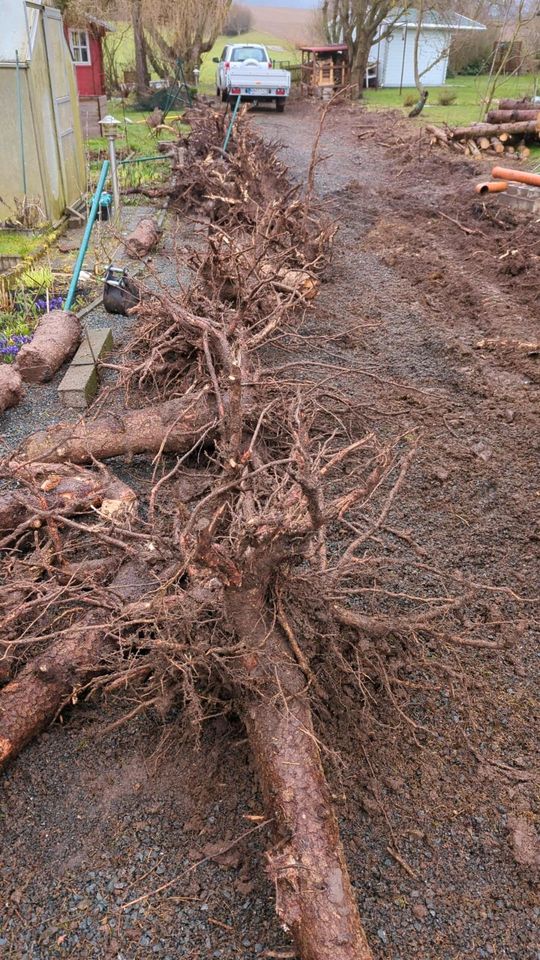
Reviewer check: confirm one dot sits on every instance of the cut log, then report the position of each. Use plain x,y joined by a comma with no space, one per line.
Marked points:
175,425
505,137
523,128
56,339
484,143
512,116
30,703
61,487
473,149
144,238
437,132
11,388
496,144
524,104
314,897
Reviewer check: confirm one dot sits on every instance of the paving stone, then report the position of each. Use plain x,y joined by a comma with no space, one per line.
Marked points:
95,344
79,386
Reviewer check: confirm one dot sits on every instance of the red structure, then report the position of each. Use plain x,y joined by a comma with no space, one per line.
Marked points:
86,45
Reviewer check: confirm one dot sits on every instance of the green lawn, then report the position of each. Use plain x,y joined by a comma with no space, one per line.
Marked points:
135,135
17,244
470,95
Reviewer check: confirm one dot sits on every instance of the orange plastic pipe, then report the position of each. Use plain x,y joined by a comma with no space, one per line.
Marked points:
521,176
491,186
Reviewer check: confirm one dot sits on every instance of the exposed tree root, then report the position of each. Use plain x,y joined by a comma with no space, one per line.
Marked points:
31,702
262,529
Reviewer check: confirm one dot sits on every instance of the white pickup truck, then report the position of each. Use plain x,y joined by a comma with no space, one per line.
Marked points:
245,70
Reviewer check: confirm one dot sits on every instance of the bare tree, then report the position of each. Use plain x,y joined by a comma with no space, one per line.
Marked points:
437,53
112,64
142,81
516,18
239,20
184,30
359,23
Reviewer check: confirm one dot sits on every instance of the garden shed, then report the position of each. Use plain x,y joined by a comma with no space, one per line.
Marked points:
394,54
41,147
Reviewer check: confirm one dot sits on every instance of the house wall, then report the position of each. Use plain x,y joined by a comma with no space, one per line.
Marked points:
13,34
396,57
90,76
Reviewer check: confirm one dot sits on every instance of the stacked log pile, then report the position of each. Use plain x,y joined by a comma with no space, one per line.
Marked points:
488,139
236,584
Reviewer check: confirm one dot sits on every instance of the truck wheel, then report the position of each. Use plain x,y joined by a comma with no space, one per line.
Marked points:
224,96
280,104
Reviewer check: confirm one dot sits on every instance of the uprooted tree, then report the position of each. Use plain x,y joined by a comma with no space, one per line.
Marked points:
244,573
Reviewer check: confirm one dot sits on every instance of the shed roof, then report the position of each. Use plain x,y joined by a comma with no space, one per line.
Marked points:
433,20
325,48
108,27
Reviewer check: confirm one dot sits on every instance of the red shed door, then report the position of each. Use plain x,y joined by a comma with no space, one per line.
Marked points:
88,59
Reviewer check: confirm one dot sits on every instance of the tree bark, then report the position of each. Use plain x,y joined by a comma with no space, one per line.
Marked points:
175,425
141,65
512,116
314,897
57,336
31,702
516,105
11,388
61,488
143,238
524,127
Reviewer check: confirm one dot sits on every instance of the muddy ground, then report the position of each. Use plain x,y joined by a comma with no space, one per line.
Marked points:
440,824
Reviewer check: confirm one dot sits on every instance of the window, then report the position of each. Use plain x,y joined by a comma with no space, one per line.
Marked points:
80,46
249,53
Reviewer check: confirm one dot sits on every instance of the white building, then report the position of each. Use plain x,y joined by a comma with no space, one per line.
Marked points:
392,59
41,146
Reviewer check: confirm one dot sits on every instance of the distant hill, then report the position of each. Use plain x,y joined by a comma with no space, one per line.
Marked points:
298,25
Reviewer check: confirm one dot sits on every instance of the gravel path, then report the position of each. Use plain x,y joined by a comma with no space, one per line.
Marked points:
93,820
41,407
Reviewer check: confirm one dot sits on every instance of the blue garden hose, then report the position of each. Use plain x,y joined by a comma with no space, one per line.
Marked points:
86,238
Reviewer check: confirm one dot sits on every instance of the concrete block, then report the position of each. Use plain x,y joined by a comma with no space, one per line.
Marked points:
79,386
101,342
521,197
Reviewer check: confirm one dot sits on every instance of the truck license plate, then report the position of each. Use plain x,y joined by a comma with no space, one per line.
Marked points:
256,90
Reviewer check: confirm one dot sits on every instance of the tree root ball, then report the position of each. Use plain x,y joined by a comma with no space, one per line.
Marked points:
57,336
11,389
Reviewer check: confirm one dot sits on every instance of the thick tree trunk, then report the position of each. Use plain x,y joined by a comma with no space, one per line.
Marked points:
516,104
359,60
530,127
141,65
143,238
57,336
57,487
31,702
314,897
175,425
511,116
11,388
